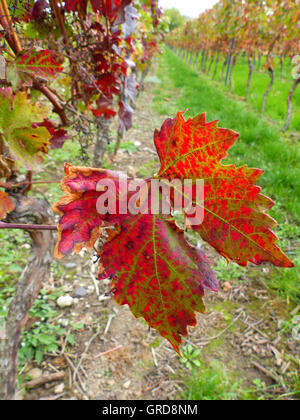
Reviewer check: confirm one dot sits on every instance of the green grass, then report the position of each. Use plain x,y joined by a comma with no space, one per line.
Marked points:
13,256
210,383
277,99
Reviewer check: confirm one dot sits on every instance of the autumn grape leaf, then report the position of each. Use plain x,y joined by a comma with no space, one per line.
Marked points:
112,9
38,9
125,116
42,64
104,107
130,24
152,266
235,221
6,205
17,118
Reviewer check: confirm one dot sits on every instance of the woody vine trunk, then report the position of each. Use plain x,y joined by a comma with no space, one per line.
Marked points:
27,289
290,105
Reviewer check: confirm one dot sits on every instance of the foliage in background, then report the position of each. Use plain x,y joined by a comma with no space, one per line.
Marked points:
176,20
258,31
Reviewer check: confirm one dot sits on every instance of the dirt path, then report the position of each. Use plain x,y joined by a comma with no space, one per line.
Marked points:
120,358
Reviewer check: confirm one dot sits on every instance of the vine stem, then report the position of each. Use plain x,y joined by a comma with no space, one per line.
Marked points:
15,45
11,30
58,108
57,11
9,186
4,24
4,225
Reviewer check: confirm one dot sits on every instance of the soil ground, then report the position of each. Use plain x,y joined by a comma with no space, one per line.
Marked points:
116,356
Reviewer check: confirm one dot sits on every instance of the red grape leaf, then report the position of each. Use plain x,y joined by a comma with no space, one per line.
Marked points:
158,274
184,147
38,9
76,5
39,63
152,268
113,9
235,222
104,107
6,205
125,116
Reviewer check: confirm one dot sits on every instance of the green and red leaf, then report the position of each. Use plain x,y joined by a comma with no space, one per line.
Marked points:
41,64
184,147
18,125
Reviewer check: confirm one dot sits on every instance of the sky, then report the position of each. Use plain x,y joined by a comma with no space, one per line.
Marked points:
191,8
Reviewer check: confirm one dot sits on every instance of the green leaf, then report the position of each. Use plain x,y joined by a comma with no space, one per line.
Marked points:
45,339
39,356
39,64
71,339
17,118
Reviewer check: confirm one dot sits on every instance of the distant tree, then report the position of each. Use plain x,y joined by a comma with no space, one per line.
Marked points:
176,19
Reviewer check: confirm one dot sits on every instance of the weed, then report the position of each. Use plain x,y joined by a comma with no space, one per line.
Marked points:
128,146
43,335
286,282
13,256
229,272
210,382
190,357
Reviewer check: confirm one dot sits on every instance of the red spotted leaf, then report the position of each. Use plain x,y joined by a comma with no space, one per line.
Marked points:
6,205
235,220
184,147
